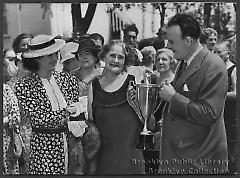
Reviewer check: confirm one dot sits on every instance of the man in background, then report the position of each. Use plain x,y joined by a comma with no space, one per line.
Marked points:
130,38
208,38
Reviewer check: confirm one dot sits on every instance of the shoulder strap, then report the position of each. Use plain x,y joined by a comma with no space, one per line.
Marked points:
94,85
230,69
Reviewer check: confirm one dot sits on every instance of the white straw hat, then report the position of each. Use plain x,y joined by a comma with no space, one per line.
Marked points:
43,45
67,50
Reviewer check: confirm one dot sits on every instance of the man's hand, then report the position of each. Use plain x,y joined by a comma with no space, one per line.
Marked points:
166,91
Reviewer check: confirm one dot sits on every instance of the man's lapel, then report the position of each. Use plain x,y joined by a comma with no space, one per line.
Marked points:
192,68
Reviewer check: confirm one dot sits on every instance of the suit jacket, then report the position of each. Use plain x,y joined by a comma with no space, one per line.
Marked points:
194,136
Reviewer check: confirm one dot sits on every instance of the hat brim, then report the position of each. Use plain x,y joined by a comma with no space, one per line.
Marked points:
70,56
59,43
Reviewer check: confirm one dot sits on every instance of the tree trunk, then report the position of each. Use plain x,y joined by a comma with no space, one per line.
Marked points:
82,24
207,14
76,17
162,13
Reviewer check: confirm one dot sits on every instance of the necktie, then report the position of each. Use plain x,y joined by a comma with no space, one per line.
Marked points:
181,68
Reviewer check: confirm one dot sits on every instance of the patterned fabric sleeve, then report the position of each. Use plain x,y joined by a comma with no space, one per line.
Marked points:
14,113
33,107
23,96
76,89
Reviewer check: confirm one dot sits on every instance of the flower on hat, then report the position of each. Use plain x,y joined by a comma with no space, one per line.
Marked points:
68,50
43,45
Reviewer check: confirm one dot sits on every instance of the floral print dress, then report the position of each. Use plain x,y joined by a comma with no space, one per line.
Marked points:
25,131
47,150
11,111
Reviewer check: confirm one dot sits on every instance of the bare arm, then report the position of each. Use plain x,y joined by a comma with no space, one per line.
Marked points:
234,83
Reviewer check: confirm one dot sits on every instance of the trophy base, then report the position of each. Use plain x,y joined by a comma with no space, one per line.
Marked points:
145,142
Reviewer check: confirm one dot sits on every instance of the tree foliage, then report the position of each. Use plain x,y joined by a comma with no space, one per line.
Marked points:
161,7
213,15
208,14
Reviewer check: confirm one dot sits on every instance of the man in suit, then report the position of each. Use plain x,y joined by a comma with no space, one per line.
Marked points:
194,136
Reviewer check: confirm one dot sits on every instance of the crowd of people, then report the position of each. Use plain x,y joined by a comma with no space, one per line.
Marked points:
66,109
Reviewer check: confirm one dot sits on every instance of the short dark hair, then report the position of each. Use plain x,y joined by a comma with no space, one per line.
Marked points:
31,64
17,41
97,36
130,28
188,24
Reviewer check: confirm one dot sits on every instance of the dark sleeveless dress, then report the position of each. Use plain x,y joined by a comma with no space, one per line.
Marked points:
119,128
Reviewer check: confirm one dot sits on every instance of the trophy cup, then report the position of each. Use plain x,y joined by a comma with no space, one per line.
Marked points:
145,106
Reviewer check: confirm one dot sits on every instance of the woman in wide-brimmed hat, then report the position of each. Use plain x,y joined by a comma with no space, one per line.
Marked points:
49,99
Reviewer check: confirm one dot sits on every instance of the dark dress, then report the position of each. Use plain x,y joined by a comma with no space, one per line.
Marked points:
119,127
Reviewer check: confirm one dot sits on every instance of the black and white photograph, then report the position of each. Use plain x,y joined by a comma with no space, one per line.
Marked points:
109,89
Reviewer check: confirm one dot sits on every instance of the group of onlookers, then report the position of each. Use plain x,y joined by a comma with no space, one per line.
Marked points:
65,100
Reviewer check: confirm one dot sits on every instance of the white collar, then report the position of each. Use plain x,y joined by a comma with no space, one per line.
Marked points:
54,94
200,47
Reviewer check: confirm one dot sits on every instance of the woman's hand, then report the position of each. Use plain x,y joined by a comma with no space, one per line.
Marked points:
77,127
75,109
71,109
132,93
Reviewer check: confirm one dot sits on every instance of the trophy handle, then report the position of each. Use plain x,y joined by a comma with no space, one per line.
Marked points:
134,103
157,105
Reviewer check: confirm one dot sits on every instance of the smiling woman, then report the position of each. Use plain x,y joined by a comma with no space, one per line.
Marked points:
118,124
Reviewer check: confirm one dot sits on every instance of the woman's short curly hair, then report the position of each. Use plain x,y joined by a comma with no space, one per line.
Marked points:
126,50
170,54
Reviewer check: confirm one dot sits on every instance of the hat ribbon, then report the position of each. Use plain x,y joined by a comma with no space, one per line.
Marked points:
42,46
